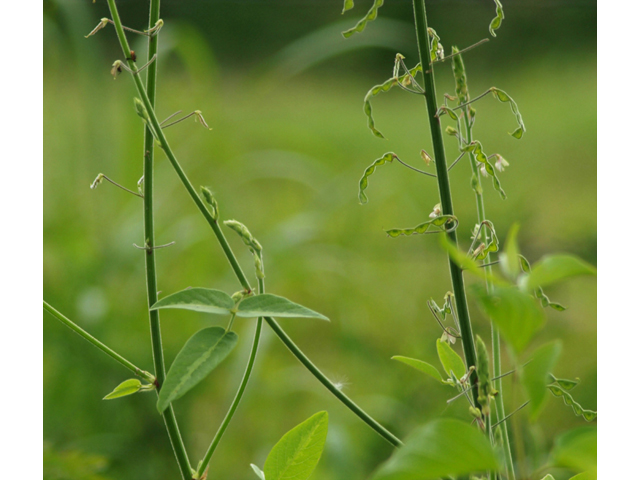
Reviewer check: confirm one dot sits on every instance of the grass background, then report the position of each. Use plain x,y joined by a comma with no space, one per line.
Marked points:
283,93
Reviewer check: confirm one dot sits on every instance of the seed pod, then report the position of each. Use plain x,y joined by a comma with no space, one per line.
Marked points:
485,389
140,109
460,75
211,201
451,131
245,234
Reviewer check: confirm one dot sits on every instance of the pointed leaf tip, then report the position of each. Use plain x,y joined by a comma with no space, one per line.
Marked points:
198,299
269,305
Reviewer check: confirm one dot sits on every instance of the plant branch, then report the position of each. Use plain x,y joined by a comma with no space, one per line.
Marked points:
97,343
230,255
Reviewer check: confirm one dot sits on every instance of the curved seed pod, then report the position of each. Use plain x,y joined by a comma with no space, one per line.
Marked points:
504,97
371,15
444,223
588,415
248,239
364,181
385,87
497,20
525,266
481,158
460,75
348,5
564,383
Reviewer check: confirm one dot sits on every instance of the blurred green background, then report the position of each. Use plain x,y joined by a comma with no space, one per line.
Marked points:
283,94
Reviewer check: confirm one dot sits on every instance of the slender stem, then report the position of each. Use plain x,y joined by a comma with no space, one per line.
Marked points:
446,202
495,334
466,104
236,400
230,255
513,413
414,168
97,343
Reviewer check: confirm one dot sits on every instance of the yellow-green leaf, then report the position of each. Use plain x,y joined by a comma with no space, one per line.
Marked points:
128,387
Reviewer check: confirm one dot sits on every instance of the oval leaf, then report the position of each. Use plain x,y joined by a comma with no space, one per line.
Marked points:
128,387
554,268
198,299
268,305
203,352
536,376
440,448
515,313
424,367
450,360
297,453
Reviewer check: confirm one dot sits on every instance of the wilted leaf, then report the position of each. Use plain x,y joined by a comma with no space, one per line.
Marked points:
438,449
424,367
268,305
297,453
535,376
203,352
198,299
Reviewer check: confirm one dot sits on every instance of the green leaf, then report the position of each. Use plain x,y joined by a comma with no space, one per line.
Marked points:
364,181
438,449
510,259
443,223
497,20
268,305
203,352
554,268
424,367
371,15
548,476
576,449
128,387
297,453
515,313
450,360
198,299
258,472
535,376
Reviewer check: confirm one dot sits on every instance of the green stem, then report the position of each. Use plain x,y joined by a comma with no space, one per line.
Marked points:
227,249
446,202
97,343
495,334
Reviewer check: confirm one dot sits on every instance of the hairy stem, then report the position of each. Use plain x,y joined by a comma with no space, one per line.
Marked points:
227,249
97,343
446,202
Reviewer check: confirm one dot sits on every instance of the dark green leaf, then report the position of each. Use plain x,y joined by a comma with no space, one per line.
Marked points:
438,449
554,268
203,352
128,387
536,376
198,299
450,360
424,367
515,313
268,305
297,453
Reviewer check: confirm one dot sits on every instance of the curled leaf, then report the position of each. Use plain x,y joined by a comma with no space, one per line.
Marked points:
385,87
497,20
364,181
445,223
504,97
371,15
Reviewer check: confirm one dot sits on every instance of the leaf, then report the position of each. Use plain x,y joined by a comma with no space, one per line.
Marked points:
297,453
382,88
348,5
535,376
444,223
450,360
497,20
515,313
554,268
258,472
198,299
203,352
364,181
588,415
371,15
128,387
510,259
424,367
576,449
438,449
268,305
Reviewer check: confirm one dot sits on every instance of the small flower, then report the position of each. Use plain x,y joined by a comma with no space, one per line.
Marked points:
425,156
483,170
437,211
116,68
475,231
501,163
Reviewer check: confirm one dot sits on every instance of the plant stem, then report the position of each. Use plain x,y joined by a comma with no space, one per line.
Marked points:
446,202
227,249
495,334
97,343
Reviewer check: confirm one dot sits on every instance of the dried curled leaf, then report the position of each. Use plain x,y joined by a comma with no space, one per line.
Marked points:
371,15
348,5
364,181
497,21
444,223
476,148
504,97
385,87
588,415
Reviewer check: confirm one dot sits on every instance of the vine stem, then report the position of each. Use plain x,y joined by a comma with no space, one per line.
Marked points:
457,280
495,334
290,344
97,343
